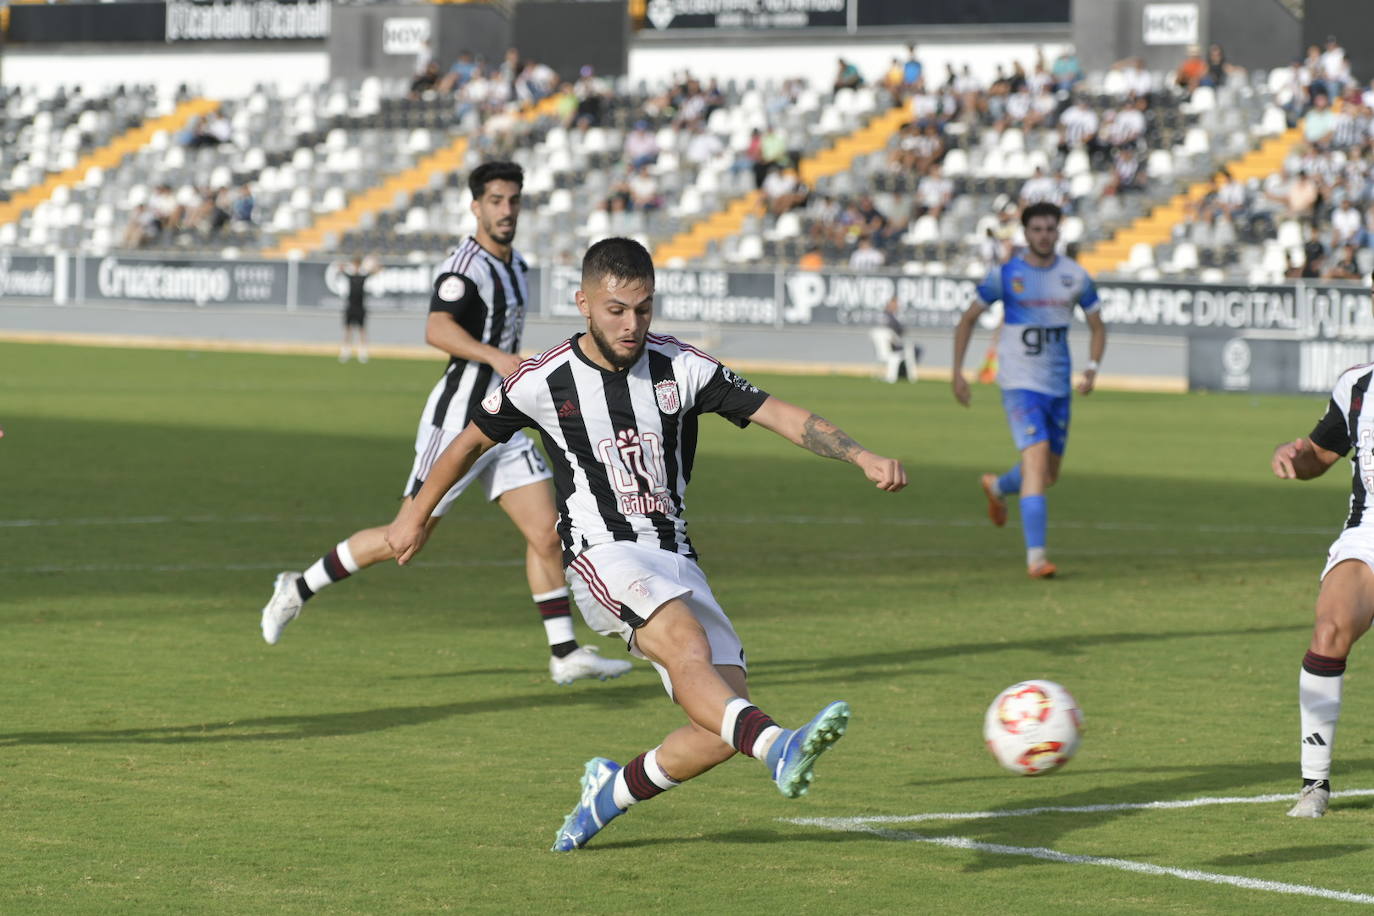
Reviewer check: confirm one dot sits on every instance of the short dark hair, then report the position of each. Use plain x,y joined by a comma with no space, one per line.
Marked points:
1041,208
622,258
488,172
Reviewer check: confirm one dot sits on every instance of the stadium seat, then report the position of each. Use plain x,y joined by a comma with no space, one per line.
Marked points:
893,353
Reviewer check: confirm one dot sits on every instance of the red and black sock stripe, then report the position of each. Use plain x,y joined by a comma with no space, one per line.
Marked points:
637,779
554,607
1322,665
750,723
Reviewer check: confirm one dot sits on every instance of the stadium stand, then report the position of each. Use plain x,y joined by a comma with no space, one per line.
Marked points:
1159,176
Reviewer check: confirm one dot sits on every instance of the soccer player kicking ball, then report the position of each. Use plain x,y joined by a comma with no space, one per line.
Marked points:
618,410
1038,290
1345,602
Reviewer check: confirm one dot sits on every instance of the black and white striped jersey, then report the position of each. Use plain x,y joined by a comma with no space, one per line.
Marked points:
487,297
621,443
1348,424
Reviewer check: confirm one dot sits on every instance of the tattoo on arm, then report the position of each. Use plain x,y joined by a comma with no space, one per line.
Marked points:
826,439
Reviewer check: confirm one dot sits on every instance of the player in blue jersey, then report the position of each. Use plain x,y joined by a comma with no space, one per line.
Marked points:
1038,290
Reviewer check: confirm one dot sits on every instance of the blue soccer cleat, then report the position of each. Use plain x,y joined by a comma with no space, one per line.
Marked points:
794,756
584,822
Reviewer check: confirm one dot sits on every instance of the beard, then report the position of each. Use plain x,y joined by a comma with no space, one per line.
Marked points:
609,352
503,235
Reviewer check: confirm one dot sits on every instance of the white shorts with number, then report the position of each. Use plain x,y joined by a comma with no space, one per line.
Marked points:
508,466
1353,544
630,581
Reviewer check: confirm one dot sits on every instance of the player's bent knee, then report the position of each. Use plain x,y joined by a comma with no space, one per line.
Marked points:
1334,637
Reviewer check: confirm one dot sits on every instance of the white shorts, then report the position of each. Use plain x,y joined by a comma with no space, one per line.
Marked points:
630,581
509,466
1353,544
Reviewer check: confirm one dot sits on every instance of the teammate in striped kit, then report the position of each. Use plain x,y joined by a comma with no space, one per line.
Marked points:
1038,290
618,408
477,313
1345,601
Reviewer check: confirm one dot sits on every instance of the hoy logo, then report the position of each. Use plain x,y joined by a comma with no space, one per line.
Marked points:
1170,23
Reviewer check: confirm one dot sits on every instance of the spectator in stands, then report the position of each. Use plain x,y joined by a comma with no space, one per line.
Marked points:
1347,223
424,56
892,80
1313,264
774,148
847,76
565,106
1299,198
1232,199
811,260
1345,266
1193,71
1066,70
1127,127
211,214
1136,78
424,81
242,208
1320,121
871,222
167,213
783,191
866,256
751,157
535,82
1078,125
1042,187
459,72
1127,174
933,193
702,145
592,94
1334,69
912,71
644,191
140,229
1218,69
641,146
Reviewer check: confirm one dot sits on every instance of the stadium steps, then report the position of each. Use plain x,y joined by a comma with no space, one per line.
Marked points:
1157,226
106,157
692,242
329,228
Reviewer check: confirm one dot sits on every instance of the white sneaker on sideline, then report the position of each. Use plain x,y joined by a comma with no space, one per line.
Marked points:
1312,802
585,661
284,607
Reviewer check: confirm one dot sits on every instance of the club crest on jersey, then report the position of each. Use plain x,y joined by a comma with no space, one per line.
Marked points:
492,402
452,288
665,393
1018,285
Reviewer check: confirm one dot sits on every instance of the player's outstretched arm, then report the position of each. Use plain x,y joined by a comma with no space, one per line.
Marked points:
1301,459
819,436
406,535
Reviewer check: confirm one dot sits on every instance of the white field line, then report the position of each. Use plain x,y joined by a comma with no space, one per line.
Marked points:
810,520
871,824
228,567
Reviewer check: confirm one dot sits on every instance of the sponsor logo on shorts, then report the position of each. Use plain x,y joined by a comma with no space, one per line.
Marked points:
638,587
492,402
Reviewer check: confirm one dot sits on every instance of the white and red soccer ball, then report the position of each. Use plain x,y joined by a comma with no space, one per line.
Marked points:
1033,727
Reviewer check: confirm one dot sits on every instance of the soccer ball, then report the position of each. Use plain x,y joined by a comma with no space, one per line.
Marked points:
1033,727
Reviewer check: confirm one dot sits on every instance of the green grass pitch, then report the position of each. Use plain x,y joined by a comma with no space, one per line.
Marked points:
403,750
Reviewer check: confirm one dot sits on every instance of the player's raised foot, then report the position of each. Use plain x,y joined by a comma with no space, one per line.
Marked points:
997,503
793,756
284,607
585,661
1045,570
1312,801
584,822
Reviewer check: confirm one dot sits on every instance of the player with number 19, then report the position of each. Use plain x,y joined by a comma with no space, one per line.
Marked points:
477,314
618,409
